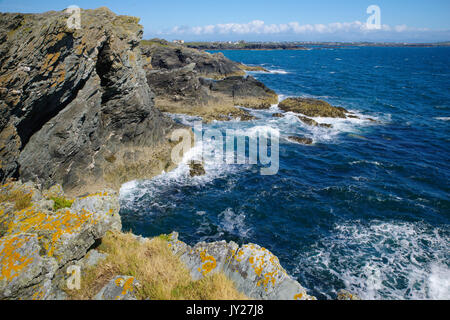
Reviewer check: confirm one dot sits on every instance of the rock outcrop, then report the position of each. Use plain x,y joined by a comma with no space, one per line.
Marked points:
347,296
76,107
255,271
196,169
162,55
37,245
301,140
119,288
201,84
312,108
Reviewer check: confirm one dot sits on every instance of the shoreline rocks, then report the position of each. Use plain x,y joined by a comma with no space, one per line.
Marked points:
37,246
196,169
197,83
255,271
301,140
312,108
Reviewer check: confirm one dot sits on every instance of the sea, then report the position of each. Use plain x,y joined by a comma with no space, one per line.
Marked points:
365,208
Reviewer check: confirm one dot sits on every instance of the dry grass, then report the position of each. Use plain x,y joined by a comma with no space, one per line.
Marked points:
20,198
161,275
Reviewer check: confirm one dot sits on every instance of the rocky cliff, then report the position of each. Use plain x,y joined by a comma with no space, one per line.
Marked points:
76,107
202,84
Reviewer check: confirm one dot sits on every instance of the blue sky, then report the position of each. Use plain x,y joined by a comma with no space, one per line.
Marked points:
324,20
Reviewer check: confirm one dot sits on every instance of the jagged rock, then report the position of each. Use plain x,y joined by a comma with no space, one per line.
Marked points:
196,169
103,205
277,115
76,107
200,84
55,191
245,92
38,245
93,258
256,271
120,288
301,140
314,123
167,56
312,108
22,267
345,295
308,121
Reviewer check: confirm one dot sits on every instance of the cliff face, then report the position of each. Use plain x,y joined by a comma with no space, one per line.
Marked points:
76,107
167,56
201,84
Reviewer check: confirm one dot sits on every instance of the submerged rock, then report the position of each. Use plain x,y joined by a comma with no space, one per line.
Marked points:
256,271
120,288
312,108
196,169
277,115
301,140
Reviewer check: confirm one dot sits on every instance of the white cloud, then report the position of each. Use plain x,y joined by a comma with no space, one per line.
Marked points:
260,29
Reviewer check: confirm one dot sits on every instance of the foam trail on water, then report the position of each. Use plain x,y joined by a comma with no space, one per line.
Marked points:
386,260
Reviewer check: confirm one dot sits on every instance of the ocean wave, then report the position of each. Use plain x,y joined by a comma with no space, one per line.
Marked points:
278,71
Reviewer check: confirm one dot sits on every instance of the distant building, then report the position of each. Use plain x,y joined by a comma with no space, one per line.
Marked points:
178,41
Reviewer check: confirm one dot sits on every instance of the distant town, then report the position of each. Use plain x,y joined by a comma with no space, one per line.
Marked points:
297,45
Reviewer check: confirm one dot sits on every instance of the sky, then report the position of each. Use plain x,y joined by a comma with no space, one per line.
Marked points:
271,20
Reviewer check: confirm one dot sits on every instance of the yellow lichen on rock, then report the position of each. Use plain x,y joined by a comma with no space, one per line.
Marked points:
50,228
208,263
11,261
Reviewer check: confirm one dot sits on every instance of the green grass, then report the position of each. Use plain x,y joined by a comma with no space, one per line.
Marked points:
61,203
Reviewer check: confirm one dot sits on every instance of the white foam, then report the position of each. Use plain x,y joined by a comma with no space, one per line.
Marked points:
443,118
386,260
234,223
278,71
365,161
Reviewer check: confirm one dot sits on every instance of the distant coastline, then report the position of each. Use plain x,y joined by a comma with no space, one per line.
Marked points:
242,45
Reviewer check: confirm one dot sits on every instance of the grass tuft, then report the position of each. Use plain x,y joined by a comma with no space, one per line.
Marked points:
21,199
162,276
61,203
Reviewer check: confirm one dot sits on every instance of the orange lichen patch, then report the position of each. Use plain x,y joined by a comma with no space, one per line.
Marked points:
298,296
11,261
38,295
208,263
50,59
99,194
127,285
265,265
52,226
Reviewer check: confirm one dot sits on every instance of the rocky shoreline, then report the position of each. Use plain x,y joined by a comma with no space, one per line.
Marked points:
39,245
84,111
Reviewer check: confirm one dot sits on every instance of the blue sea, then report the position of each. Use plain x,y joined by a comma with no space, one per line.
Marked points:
365,208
